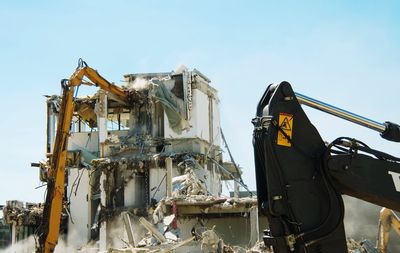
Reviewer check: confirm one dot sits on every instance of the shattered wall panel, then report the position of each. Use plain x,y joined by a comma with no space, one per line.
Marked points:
173,107
198,121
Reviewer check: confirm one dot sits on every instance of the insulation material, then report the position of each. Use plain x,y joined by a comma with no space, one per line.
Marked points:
169,102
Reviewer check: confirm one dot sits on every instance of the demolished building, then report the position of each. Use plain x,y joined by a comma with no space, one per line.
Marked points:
148,173
21,219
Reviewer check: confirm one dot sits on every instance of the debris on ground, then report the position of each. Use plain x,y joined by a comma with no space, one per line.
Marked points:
364,246
188,185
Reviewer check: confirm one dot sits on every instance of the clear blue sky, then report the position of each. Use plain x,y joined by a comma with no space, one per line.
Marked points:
343,52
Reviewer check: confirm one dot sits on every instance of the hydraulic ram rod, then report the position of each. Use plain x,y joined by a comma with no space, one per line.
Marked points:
388,130
360,120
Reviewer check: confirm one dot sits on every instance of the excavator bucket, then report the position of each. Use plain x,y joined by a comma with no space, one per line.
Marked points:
304,210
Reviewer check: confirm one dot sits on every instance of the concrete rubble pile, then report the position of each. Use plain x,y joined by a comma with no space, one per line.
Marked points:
187,185
163,233
364,246
206,242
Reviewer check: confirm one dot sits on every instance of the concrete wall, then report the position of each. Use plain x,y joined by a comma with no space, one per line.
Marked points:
234,230
114,233
78,190
134,192
158,183
84,140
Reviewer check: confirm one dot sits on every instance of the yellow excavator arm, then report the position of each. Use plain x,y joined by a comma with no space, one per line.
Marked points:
387,220
50,225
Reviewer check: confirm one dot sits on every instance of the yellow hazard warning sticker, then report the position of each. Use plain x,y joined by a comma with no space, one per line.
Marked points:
286,125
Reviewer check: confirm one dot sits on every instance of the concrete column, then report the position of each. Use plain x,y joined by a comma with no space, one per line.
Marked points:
51,126
236,189
13,234
254,227
103,245
101,111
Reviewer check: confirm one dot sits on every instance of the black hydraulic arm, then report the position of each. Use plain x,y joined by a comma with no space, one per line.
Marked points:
362,172
300,179
304,209
358,170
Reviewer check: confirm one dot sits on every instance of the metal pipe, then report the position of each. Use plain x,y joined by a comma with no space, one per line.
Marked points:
360,120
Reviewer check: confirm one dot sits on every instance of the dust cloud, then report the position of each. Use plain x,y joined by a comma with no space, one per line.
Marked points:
25,246
28,246
361,222
139,84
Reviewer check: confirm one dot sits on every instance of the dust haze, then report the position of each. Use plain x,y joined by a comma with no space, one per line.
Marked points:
361,222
